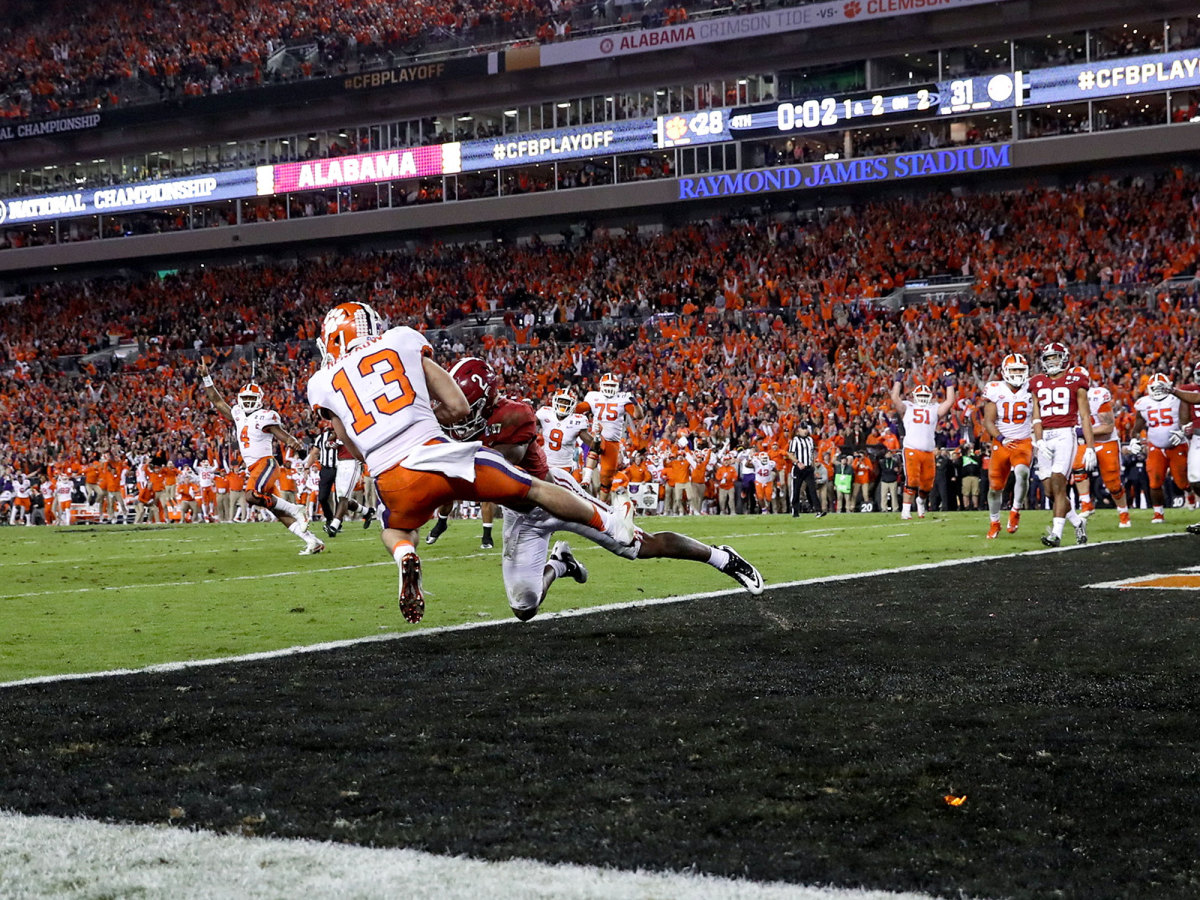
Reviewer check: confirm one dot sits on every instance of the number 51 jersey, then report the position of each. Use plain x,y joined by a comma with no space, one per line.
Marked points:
379,392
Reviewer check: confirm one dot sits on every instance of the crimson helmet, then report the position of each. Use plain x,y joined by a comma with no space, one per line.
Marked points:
1054,357
478,381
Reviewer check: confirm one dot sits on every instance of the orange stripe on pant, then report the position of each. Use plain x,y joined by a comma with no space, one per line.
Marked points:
411,497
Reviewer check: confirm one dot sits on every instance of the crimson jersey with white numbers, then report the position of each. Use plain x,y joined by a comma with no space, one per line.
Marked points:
1161,418
513,422
379,392
608,414
1058,398
1014,409
559,435
253,439
1195,420
920,422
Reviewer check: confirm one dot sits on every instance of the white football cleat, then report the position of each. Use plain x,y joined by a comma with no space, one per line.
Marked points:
622,509
313,547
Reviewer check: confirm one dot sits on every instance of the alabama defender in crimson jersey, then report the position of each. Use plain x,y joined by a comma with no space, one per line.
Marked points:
511,428
920,417
1159,414
1060,404
1007,417
257,429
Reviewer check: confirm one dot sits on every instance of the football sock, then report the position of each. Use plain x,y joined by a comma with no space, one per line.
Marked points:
920,507
1056,526
906,509
1158,510
288,508
401,550
487,531
1073,518
335,524
557,566
1122,509
995,501
717,558
1020,486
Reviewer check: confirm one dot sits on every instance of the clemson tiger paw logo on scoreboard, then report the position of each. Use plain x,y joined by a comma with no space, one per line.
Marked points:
852,9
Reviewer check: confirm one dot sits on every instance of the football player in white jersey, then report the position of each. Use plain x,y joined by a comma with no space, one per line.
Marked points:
1007,417
920,416
1158,412
1108,456
256,429
561,427
608,408
388,402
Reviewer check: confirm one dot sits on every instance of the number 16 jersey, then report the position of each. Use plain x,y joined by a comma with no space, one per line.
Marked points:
1014,409
379,392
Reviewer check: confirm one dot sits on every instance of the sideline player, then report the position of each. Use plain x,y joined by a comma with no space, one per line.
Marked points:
1060,403
255,429
608,407
1007,411
510,427
1158,413
1108,456
378,388
920,422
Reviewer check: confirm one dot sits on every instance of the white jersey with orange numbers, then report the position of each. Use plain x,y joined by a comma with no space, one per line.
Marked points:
21,487
559,436
206,472
1161,418
312,481
764,471
250,429
920,422
1100,401
609,414
1014,409
63,489
379,392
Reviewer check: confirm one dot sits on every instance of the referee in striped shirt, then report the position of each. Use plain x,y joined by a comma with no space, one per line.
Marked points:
803,451
325,449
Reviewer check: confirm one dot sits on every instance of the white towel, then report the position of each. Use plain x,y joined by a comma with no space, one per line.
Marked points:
452,459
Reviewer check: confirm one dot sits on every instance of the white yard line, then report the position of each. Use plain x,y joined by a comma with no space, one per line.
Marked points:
45,858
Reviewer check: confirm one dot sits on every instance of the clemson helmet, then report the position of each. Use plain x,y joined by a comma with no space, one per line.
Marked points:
563,403
923,395
250,397
1159,386
1015,369
478,381
1054,358
1080,370
347,326
609,385
1196,373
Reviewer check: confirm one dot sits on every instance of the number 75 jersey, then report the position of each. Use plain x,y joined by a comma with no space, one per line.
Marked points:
379,392
1014,409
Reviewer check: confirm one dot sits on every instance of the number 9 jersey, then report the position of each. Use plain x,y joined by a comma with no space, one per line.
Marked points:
378,390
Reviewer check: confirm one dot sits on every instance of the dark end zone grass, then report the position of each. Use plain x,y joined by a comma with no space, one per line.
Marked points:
809,736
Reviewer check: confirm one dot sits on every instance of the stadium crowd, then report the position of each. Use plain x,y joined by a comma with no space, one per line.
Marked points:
60,57
732,331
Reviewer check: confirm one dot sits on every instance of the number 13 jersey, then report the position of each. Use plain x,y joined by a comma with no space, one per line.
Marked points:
379,392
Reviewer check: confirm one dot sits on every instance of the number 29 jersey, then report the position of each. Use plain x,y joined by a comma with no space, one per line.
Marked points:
1058,398
379,392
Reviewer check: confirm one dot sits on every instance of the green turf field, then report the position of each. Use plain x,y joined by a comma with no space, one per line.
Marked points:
91,599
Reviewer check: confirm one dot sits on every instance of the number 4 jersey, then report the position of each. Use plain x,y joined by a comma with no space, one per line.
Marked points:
253,439
1058,398
379,392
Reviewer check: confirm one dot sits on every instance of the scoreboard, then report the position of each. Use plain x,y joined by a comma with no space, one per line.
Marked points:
1076,83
